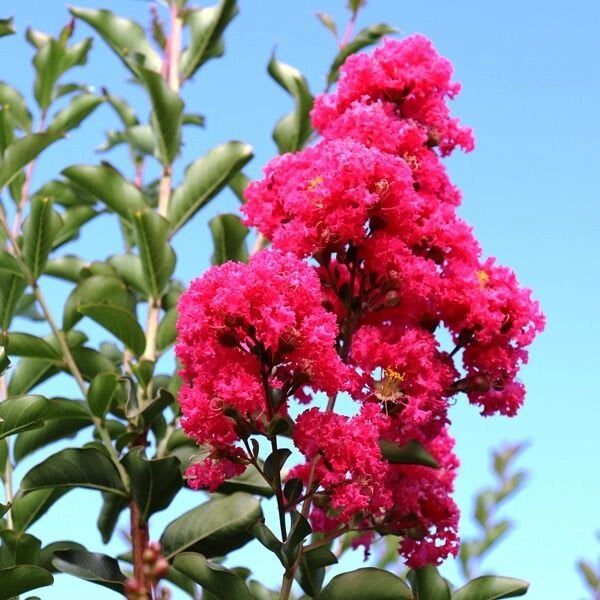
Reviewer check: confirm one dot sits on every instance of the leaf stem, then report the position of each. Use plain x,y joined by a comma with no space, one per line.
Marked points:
7,477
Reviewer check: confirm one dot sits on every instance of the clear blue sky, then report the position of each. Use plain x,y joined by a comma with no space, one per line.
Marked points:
531,92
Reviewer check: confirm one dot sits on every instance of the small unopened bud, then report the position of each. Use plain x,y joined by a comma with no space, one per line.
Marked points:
161,568
479,383
133,589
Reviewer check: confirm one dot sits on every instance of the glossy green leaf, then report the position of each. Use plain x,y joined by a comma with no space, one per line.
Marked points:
250,481
11,290
411,453
311,570
18,548
73,219
27,509
167,111
213,528
22,578
75,467
91,566
120,322
19,414
366,584
108,185
63,418
21,152
268,539
229,239
14,104
491,587
112,507
365,37
206,28
293,130
300,529
222,583
158,258
427,583
93,290
75,112
129,268
126,38
40,229
25,344
9,264
238,184
204,179
4,360
7,27
47,553
91,362
28,373
101,392
154,483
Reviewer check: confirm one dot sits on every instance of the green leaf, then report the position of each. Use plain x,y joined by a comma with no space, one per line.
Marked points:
19,548
47,554
213,528
19,414
75,467
167,111
21,152
11,290
427,583
48,63
229,239
39,232
14,104
91,566
125,38
206,28
154,483
112,507
77,110
589,574
327,21
355,5
222,583
167,333
365,37
268,539
274,463
204,179
7,27
108,185
411,453
238,184
129,268
73,219
22,578
293,130
311,571
9,264
260,592
63,418
120,322
490,587
250,481
66,193
93,290
101,392
158,258
91,362
28,373
300,529
27,509
122,108
366,584
25,344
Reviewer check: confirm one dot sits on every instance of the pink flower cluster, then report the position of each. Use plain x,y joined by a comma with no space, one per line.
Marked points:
369,263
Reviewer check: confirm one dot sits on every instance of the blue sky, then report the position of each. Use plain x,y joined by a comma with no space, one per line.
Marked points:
530,91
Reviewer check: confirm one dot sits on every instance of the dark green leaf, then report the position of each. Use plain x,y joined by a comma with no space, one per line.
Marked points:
75,112
112,507
120,322
427,584
154,482
490,587
6,27
22,578
300,529
19,548
274,463
411,453
222,583
250,481
206,28
311,571
25,344
91,566
229,239
63,418
204,179
47,554
11,290
19,414
21,152
26,509
108,185
268,539
75,467
213,528
14,104
93,290
125,38
365,37
158,258
40,230
260,592
366,584
91,362
28,373
101,392
167,111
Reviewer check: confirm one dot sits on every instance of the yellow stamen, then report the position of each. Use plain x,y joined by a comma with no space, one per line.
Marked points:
483,277
313,183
